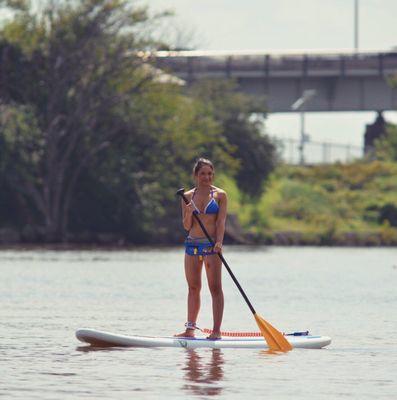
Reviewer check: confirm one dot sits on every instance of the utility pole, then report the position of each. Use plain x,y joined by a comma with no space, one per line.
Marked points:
356,24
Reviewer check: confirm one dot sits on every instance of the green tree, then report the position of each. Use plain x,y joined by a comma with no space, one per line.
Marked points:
233,111
92,140
74,70
386,147
137,179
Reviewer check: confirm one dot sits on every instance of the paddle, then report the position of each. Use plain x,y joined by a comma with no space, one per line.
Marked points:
275,339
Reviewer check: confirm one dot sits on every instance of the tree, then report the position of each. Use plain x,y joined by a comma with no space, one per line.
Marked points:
253,150
386,147
71,74
92,141
137,179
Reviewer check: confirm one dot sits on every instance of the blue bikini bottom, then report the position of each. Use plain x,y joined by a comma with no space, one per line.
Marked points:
198,247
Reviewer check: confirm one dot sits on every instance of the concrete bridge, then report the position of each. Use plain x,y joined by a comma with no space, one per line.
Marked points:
342,80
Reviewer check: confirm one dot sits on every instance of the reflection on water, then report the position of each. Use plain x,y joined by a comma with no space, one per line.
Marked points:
90,348
271,353
203,375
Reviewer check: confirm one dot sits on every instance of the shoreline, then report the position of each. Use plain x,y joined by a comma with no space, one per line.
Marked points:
287,241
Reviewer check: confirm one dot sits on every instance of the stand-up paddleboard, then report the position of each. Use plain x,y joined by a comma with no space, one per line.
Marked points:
100,338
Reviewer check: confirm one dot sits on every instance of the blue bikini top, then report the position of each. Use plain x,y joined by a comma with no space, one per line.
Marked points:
212,206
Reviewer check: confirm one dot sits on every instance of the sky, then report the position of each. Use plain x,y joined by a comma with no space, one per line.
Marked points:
285,24
291,24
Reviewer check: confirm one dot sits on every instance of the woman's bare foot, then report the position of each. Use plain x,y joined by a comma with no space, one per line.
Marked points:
214,336
187,333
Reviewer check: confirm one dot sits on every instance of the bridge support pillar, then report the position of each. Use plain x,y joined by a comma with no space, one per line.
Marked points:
374,131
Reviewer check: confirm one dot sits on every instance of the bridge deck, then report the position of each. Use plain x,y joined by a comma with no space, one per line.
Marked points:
343,81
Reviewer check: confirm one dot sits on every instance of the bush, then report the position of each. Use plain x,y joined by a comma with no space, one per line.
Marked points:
388,213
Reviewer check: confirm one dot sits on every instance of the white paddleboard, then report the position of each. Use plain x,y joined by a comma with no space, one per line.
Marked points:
101,338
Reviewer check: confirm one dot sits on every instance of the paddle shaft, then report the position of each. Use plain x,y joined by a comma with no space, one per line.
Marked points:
180,192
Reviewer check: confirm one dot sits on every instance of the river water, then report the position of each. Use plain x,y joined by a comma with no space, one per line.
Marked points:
348,294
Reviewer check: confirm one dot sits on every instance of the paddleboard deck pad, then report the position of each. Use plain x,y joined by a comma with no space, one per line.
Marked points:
102,339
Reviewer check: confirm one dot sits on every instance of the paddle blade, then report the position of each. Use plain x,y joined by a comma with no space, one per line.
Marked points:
274,339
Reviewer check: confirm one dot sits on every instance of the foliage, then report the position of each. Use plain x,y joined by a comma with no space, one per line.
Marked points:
70,71
386,147
388,212
91,140
344,204
254,151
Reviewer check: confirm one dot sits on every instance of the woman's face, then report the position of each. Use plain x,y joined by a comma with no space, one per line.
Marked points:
205,176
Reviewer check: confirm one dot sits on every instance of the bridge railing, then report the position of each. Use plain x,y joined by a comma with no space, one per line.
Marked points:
195,63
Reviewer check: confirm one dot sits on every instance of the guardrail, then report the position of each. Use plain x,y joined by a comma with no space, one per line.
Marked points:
316,152
190,64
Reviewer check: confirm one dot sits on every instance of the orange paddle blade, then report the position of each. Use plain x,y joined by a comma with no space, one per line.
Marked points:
274,339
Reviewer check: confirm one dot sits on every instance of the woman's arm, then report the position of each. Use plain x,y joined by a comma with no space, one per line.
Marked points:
221,221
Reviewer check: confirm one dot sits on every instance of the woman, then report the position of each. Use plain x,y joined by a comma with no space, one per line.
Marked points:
210,204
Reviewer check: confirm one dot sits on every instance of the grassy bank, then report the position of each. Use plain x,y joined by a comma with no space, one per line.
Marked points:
338,204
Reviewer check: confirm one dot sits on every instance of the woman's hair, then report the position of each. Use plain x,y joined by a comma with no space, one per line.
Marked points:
200,163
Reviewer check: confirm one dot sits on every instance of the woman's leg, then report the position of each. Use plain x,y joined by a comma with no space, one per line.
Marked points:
213,268
193,268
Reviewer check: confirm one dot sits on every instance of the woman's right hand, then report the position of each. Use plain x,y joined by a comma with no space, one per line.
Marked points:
189,209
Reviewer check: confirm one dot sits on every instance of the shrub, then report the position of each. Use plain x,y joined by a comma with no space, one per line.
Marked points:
388,213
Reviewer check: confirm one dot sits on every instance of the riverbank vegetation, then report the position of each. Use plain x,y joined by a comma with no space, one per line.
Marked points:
94,142
338,204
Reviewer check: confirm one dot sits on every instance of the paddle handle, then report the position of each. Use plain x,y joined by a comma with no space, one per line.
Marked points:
181,192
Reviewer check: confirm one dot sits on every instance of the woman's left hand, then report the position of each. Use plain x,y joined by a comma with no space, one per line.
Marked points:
218,247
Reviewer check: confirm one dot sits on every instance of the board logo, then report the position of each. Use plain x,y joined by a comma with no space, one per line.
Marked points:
183,343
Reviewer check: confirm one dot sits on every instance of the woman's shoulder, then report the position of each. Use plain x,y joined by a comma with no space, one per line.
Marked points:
220,192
